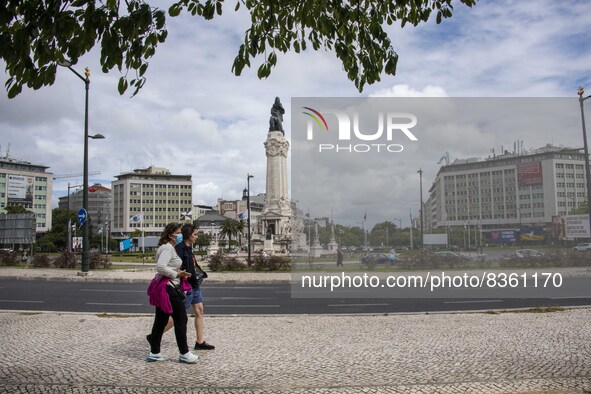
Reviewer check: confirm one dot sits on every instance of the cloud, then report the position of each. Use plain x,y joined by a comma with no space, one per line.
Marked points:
195,117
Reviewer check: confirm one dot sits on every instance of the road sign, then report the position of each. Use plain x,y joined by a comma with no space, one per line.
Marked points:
82,215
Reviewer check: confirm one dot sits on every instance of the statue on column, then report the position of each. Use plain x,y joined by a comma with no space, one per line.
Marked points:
276,120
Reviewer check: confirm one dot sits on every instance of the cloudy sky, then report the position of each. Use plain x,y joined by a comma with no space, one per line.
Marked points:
195,117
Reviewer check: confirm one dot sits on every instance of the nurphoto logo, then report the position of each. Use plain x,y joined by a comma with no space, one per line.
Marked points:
390,125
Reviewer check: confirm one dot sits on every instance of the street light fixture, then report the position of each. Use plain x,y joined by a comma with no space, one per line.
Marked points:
85,236
581,93
420,171
248,176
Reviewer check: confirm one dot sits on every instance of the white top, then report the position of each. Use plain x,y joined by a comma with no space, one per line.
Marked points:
168,262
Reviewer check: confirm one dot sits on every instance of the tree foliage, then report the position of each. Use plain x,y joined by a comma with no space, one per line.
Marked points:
36,35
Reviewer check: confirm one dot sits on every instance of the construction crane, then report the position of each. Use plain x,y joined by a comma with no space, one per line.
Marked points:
66,176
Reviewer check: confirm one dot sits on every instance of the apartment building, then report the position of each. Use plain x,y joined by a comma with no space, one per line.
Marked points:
29,185
148,199
508,191
99,204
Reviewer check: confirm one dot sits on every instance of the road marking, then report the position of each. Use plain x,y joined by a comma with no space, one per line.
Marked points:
111,304
23,301
358,304
209,306
471,301
114,291
566,298
246,298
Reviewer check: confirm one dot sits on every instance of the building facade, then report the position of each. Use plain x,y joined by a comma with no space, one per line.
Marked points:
99,204
29,185
148,199
508,191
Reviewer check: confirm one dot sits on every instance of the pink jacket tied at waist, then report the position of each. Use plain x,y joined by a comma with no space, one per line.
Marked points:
158,295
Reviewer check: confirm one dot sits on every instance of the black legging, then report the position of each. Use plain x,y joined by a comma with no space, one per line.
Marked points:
179,316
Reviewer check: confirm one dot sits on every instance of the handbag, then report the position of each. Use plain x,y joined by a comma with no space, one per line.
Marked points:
178,290
199,273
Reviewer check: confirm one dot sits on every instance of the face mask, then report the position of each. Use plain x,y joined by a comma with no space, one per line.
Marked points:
179,238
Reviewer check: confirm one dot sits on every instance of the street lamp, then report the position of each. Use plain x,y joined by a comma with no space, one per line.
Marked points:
248,176
420,171
581,93
85,237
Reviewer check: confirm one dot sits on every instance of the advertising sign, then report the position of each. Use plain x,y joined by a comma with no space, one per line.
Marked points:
576,226
20,190
125,244
529,174
503,236
77,244
532,233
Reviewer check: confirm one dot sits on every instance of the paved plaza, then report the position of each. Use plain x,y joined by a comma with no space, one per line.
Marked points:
514,352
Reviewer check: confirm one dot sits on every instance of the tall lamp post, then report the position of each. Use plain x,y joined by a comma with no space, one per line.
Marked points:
420,171
85,237
248,176
581,93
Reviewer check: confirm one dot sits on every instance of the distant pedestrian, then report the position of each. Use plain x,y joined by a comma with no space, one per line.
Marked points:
167,295
339,258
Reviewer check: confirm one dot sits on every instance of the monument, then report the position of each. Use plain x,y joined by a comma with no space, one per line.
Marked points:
274,227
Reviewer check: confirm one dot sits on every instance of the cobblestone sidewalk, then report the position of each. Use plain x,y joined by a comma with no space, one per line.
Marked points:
441,353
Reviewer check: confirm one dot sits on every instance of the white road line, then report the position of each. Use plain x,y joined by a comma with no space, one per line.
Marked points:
111,304
566,298
358,305
471,301
114,291
209,306
23,301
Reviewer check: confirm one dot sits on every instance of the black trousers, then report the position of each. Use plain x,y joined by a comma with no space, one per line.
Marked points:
179,316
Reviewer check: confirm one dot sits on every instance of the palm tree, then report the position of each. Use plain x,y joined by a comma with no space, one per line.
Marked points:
229,228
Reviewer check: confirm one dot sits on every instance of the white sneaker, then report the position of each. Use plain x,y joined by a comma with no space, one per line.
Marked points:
156,357
188,358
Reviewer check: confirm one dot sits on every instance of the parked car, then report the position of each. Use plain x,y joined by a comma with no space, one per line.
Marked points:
584,247
528,253
373,259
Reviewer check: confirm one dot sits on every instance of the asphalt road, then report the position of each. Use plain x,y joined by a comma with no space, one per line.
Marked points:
224,299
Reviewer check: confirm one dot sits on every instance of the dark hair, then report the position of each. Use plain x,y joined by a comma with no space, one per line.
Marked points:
187,230
167,232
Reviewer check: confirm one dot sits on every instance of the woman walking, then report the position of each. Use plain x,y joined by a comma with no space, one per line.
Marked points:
167,295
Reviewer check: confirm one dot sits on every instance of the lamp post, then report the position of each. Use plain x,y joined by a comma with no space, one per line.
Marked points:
581,93
420,171
85,237
248,176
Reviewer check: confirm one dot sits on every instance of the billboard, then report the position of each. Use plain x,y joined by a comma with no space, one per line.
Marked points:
20,190
435,239
576,226
125,244
529,174
17,228
532,233
503,236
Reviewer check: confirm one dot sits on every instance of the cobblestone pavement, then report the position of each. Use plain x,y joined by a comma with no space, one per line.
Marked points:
517,352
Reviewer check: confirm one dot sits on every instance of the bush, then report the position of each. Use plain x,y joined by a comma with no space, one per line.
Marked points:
270,263
41,261
8,257
66,259
98,260
233,264
219,262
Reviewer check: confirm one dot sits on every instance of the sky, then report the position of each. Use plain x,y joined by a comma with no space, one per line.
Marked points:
195,117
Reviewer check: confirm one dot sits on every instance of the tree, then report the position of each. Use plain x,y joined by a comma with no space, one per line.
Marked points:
37,35
16,209
229,228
